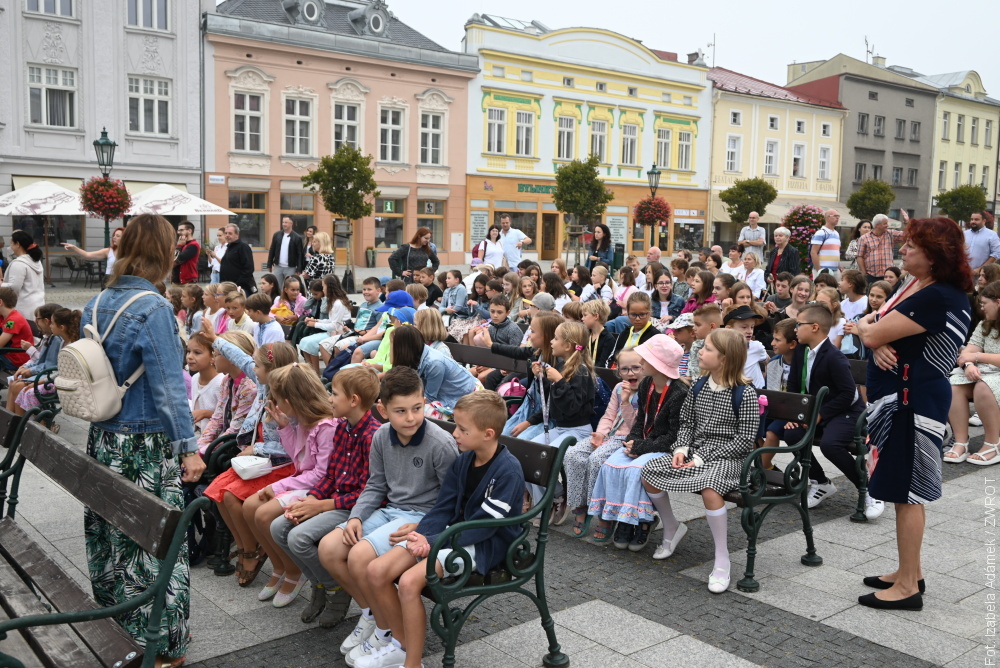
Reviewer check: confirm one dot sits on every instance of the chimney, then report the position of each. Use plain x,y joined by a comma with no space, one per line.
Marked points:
878,61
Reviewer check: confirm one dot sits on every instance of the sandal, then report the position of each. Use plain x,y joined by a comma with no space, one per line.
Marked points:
958,457
602,534
580,529
169,662
988,448
246,577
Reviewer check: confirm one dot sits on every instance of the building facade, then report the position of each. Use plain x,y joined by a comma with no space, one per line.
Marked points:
546,97
889,127
287,83
791,140
75,67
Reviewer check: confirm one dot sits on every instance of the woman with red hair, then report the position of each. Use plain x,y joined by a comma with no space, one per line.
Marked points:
915,338
417,254
100,254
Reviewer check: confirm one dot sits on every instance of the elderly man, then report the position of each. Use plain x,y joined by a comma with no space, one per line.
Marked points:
981,243
237,264
287,255
653,254
754,237
825,251
717,250
875,249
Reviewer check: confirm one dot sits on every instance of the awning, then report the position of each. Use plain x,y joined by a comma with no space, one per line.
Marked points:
777,209
136,187
68,184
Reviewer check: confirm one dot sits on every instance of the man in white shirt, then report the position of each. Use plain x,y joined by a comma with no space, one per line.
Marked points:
981,243
286,256
754,237
512,239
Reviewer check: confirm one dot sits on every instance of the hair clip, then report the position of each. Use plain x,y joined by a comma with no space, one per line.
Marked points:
295,363
270,353
579,348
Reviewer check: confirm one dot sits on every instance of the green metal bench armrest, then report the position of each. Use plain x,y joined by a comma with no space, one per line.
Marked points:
6,470
216,450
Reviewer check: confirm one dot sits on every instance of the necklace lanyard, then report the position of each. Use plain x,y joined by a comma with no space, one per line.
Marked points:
593,349
646,427
638,334
898,297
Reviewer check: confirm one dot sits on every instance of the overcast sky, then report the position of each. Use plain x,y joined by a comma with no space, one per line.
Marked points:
758,38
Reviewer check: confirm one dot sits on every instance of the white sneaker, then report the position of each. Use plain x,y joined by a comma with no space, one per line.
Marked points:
362,631
873,507
390,655
975,420
818,493
368,648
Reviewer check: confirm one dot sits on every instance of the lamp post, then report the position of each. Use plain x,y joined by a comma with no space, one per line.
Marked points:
105,149
653,175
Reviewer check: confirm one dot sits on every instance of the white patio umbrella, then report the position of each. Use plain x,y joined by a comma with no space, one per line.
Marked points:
41,198
166,200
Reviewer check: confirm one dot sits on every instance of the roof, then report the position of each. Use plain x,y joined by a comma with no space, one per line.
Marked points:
334,21
734,82
946,82
665,55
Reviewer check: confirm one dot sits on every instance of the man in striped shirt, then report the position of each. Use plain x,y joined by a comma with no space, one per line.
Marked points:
825,252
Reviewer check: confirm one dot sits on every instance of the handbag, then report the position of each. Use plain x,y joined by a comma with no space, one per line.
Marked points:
251,466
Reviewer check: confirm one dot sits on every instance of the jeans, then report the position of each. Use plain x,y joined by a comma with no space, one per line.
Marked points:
300,542
618,325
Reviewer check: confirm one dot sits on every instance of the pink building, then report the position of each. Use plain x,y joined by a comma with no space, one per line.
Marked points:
287,83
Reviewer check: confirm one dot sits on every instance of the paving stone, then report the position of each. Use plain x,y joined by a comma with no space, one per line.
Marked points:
528,643
478,653
688,652
617,629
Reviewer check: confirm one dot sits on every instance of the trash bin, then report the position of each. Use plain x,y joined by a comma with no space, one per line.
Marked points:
619,258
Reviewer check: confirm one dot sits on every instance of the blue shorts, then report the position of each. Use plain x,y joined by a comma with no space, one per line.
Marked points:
382,523
369,347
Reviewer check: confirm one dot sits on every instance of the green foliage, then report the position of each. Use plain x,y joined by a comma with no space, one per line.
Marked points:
960,203
747,195
345,182
873,197
579,191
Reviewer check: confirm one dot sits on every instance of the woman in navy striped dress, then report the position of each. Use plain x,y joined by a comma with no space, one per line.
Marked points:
915,338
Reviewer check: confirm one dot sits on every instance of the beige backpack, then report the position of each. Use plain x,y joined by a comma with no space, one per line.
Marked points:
86,382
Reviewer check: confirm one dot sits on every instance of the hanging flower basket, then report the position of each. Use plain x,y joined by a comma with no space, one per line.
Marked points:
651,211
803,221
105,198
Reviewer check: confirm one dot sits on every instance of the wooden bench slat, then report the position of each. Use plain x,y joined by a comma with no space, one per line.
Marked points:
788,405
56,644
16,646
105,638
479,356
147,520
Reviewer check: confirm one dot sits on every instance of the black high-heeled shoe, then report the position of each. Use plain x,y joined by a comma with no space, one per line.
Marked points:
915,602
876,582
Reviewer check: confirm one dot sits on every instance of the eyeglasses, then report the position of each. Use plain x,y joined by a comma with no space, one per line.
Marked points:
661,284
636,316
629,371
799,324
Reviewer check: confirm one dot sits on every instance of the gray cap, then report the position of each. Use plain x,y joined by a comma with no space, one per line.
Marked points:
544,301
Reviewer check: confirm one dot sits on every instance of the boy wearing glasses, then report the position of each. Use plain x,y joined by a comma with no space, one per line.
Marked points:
639,307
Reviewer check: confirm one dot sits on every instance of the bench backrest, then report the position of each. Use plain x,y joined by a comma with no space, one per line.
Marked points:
609,376
146,519
859,370
788,406
479,356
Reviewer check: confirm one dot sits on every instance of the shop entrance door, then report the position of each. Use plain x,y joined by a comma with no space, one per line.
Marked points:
549,249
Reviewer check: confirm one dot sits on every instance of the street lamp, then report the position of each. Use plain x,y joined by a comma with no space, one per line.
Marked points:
653,175
105,149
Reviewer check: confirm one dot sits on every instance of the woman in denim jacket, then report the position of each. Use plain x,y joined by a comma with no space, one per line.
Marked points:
445,380
151,441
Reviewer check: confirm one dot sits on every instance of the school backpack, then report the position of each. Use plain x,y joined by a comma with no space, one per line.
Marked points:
512,388
87,386
737,393
602,396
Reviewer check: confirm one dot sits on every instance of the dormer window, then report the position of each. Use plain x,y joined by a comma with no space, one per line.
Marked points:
310,11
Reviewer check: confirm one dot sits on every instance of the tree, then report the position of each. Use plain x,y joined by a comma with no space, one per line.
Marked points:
960,203
747,195
345,182
872,198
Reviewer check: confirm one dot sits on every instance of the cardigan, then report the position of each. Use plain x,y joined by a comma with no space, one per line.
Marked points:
665,425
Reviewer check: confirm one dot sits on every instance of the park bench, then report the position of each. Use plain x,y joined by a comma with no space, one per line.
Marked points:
479,356
46,618
761,490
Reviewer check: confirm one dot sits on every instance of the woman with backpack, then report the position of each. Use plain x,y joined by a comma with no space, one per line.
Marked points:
151,439
490,249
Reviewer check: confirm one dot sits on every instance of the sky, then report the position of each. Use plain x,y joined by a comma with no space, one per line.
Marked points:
757,38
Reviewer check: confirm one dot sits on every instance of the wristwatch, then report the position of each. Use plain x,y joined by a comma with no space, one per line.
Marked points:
966,365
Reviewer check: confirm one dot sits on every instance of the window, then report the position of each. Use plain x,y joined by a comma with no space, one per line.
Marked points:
568,82
988,134
824,163
633,91
389,222
300,208
499,71
879,126
945,125
62,229
599,140
667,97
664,137
249,212
430,214
914,131
148,106
900,128
862,124
58,8
146,13
872,95
601,87
527,75
825,129
771,158
735,118
800,127
688,101
52,100
897,175
799,160
909,102
974,131
247,122
566,145
346,125
630,142
772,122
894,214
972,174
496,130
942,174
985,183
431,138
684,150
524,135
960,128
859,172
390,135
911,177
958,174
297,126
734,149
877,172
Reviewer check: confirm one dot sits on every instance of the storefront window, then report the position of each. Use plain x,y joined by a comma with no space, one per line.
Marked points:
689,235
61,229
525,221
389,223
341,229
430,214
300,208
249,211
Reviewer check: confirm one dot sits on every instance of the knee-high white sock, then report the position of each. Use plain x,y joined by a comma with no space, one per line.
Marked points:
717,523
661,501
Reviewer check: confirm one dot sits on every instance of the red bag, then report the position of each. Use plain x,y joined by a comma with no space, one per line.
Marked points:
478,250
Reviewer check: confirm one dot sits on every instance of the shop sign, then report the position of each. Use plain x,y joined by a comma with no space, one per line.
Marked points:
532,188
479,222
619,228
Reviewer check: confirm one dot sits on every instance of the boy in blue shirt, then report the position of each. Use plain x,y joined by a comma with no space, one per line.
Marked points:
267,329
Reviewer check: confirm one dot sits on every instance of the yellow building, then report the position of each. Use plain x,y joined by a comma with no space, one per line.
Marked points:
546,97
790,139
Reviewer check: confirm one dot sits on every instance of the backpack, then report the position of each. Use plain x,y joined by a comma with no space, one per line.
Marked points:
512,389
737,395
87,386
